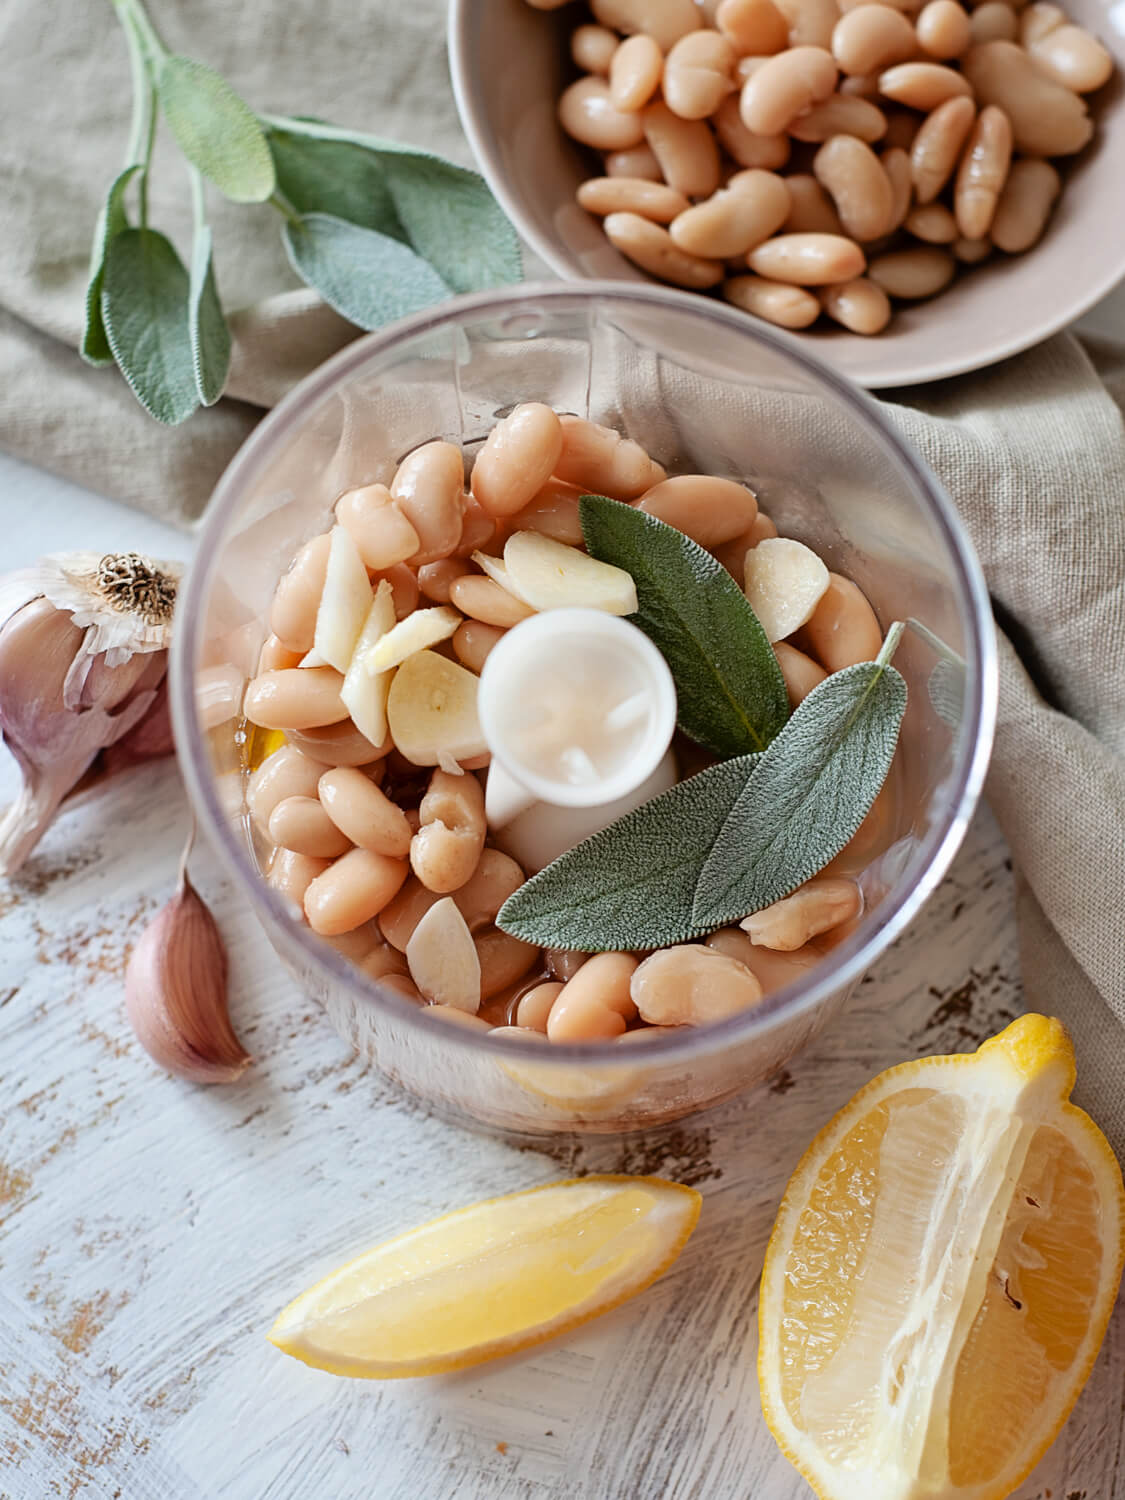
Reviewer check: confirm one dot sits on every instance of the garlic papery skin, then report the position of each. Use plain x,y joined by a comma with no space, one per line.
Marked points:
176,993
52,745
80,665
122,600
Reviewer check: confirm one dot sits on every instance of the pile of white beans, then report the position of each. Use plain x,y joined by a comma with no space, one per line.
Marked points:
364,842
809,156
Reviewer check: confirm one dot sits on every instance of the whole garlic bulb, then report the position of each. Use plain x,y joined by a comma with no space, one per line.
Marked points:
82,657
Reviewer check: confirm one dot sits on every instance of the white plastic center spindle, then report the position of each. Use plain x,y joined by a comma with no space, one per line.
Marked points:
578,708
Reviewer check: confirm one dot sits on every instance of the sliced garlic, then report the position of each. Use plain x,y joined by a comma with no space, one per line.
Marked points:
549,575
785,581
497,571
364,696
432,708
344,604
421,628
443,959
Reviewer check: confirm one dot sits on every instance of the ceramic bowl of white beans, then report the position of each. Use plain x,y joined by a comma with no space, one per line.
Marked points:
916,188
423,447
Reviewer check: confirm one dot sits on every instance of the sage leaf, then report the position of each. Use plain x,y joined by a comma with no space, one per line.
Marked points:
731,693
453,220
334,177
144,306
216,130
632,884
946,687
809,793
369,278
446,211
210,336
112,219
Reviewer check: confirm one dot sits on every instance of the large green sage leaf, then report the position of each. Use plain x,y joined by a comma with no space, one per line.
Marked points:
334,177
367,277
809,793
112,219
447,212
216,130
145,294
731,692
632,884
210,336
454,221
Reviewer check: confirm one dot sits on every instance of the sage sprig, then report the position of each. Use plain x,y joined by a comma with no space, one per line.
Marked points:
377,228
731,693
732,839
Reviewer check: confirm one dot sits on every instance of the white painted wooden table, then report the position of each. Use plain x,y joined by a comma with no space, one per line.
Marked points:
149,1231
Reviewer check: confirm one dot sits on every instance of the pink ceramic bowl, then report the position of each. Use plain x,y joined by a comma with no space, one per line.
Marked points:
510,63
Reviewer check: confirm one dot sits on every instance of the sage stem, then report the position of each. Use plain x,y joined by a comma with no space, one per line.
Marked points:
890,643
284,207
198,207
133,11
149,142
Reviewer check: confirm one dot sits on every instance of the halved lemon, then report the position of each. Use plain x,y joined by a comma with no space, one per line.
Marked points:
490,1279
940,1275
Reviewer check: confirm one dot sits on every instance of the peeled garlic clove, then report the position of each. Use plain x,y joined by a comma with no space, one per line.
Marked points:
344,604
498,572
443,960
785,581
423,628
548,575
364,696
432,707
176,993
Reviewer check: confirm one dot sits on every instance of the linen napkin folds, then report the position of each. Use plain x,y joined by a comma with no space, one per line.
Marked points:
1032,451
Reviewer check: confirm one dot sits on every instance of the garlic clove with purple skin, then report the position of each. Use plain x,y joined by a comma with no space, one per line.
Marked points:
176,993
52,745
151,739
80,665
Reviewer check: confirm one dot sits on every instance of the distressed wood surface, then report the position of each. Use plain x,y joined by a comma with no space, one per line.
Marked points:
150,1231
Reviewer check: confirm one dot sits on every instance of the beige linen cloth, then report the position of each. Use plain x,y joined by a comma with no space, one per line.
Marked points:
1033,450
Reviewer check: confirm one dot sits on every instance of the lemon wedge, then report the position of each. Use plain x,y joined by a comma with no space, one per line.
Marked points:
940,1276
490,1279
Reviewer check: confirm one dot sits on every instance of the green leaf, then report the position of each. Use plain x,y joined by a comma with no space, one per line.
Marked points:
946,688
367,277
731,692
809,793
210,336
112,219
216,130
631,885
453,220
446,211
145,309
334,177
